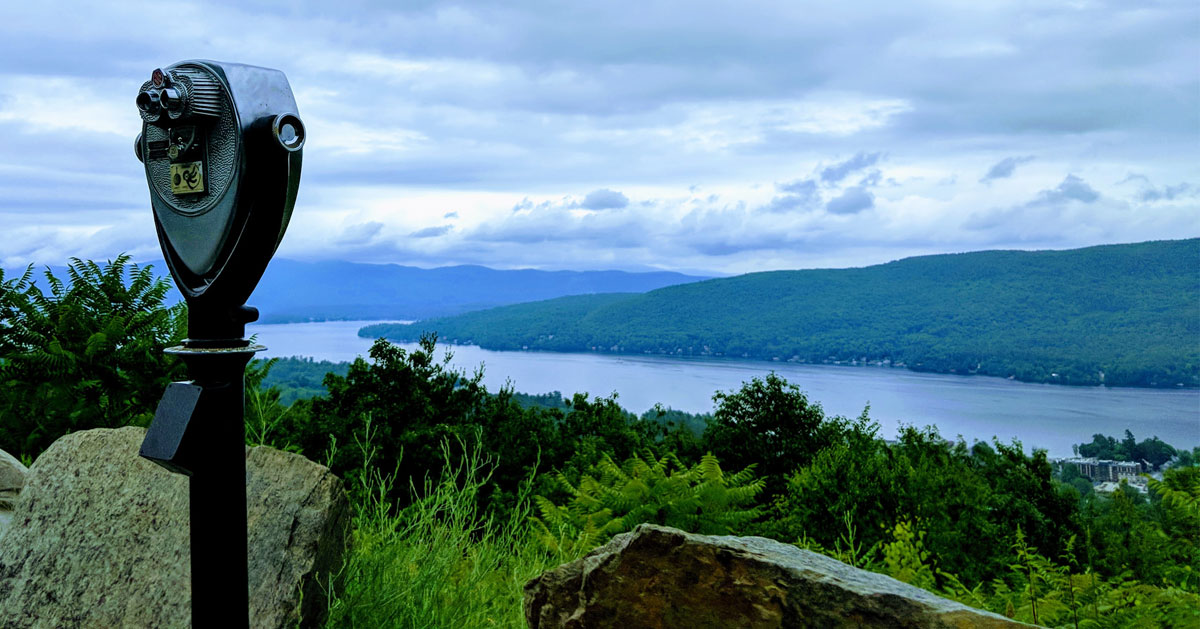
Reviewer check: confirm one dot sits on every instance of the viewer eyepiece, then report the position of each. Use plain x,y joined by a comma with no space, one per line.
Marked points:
149,102
171,98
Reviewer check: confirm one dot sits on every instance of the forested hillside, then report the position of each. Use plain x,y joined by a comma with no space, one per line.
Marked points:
1126,315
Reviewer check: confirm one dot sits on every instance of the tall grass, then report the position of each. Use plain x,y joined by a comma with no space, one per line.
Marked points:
439,562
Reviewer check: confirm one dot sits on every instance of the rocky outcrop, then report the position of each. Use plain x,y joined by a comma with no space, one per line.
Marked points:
661,578
99,538
12,479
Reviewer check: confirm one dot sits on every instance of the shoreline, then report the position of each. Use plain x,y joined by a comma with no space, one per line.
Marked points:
859,364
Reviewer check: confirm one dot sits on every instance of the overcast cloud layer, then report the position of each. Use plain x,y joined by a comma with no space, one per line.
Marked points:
714,137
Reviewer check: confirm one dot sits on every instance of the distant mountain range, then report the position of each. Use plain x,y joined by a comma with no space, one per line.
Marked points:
1115,314
313,291
301,291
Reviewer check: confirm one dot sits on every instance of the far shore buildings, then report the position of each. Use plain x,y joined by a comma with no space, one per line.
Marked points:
1107,475
1099,471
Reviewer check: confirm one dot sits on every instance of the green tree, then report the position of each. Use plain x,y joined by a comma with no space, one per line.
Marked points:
410,401
853,477
86,354
770,422
594,427
1153,451
1101,447
1128,446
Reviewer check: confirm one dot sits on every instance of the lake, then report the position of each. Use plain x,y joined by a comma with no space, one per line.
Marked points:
976,407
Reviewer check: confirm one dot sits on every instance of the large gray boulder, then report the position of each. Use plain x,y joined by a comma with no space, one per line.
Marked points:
99,538
12,479
662,578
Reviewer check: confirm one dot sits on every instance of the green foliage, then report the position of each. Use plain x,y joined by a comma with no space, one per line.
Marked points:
554,399
1102,315
932,512
439,562
416,401
569,439
413,400
1179,522
441,472
1187,458
905,557
678,431
595,427
769,422
1180,489
1153,450
611,499
265,414
967,499
1032,588
299,378
85,354
848,548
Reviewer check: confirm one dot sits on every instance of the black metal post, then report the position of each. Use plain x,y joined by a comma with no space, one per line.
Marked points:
220,582
199,430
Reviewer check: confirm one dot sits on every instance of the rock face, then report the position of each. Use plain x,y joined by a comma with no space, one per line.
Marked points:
661,578
99,538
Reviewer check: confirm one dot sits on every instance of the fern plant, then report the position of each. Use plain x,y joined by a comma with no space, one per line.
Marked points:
82,353
612,498
1180,493
1179,489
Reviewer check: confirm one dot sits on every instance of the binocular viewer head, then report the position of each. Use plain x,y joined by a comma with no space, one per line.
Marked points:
170,95
221,144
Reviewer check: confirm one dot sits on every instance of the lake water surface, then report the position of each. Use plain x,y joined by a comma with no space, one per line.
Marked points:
977,407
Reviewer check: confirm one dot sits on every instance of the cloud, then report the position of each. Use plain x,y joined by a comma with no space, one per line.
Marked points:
803,195
604,199
432,232
1073,213
1134,177
1165,193
805,187
1149,193
1044,213
872,178
1004,168
839,171
852,201
466,108
360,234
789,202
1072,188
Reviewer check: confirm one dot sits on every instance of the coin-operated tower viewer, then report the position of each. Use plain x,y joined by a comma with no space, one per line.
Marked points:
221,144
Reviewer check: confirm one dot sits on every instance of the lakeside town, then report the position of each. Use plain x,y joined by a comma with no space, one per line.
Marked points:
1107,476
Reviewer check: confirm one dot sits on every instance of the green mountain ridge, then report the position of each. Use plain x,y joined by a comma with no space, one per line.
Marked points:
1120,315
